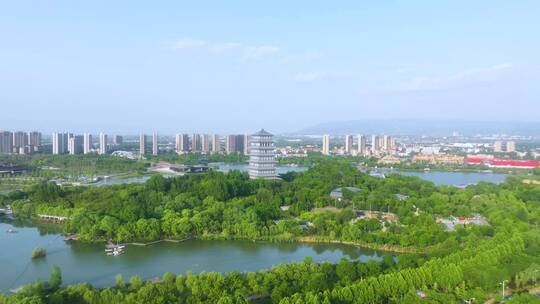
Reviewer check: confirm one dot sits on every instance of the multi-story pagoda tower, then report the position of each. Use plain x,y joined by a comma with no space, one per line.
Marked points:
262,161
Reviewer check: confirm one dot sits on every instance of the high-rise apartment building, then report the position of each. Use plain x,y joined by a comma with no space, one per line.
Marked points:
60,143
118,140
155,148
246,144
205,144
182,143
510,146
87,143
387,143
236,143
76,144
361,144
142,144
262,162
240,143
34,140
216,143
20,139
498,147
6,142
196,143
102,143
326,144
348,144
230,144
375,144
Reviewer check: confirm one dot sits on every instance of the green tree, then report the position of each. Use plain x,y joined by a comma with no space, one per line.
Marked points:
55,279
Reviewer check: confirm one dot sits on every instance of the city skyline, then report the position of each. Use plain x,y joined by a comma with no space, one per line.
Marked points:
95,65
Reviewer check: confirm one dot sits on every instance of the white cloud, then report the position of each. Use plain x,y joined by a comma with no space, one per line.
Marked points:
315,76
244,51
468,77
259,51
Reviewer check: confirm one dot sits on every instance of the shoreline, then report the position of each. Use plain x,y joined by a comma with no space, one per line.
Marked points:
298,239
372,246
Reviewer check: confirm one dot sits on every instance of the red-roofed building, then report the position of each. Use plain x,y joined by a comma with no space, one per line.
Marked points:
501,163
505,163
478,159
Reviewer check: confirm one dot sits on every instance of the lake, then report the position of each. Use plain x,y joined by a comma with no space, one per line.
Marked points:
82,262
457,178
437,177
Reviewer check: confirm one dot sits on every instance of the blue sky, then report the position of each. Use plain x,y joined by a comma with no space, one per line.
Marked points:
236,66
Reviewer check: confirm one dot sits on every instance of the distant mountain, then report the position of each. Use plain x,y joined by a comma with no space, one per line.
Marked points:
423,127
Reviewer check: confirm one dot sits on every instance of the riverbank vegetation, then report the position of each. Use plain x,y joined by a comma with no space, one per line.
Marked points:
396,212
38,253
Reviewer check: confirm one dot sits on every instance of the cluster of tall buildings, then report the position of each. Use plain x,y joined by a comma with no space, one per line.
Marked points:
69,143
19,142
507,147
379,144
199,143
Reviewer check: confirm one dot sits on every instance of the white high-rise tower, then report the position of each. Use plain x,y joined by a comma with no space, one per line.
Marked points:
87,143
142,144
102,143
326,144
216,145
361,145
155,148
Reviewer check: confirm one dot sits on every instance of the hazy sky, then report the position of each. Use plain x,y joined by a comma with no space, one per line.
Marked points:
229,66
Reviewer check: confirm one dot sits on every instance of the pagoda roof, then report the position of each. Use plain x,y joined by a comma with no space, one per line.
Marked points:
263,132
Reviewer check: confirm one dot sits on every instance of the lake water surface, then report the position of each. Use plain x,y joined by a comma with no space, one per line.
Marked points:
458,178
437,177
88,263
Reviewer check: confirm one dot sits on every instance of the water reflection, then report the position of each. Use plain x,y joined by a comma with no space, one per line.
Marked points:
82,262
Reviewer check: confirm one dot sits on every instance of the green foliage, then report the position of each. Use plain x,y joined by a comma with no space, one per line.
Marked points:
448,266
119,281
38,253
55,279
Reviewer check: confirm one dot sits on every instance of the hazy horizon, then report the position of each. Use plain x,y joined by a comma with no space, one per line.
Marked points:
125,67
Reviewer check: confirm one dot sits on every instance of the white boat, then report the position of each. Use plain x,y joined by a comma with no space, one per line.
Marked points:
115,252
114,249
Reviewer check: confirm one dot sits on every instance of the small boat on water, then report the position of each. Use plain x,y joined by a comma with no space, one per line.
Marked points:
115,252
11,231
114,249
